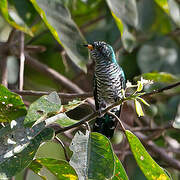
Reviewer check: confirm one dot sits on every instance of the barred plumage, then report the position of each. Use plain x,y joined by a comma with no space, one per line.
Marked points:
109,79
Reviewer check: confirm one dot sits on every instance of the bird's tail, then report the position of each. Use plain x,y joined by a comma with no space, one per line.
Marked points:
107,124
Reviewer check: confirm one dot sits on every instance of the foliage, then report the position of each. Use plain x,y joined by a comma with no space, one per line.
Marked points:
145,37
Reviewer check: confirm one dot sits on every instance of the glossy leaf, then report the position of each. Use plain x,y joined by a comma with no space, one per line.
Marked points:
93,157
11,105
58,19
10,19
18,146
160,77
148,166
138,108
61,169
120,173
42,108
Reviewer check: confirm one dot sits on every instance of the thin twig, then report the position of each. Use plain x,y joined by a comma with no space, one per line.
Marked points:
61,143
61,95
26,172
22,60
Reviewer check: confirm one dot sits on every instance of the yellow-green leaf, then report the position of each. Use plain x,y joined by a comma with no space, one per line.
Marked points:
148,166
17,25
138,108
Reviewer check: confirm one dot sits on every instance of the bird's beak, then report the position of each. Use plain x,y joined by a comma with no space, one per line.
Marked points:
89,46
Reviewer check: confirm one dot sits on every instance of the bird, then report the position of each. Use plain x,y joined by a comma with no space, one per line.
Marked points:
109,80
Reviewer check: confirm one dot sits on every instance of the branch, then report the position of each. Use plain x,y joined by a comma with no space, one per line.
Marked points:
64,82
22,60
61,95
161,90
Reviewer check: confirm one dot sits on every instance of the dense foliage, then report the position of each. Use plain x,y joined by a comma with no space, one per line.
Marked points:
46,135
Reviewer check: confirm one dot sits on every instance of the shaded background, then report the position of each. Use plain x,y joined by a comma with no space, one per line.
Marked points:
146,40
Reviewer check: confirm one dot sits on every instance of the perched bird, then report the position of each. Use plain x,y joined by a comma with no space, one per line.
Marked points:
109,80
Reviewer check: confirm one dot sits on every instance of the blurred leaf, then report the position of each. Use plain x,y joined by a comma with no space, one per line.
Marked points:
147,165
19,145
25,10
174,8
138,108
11,105
93,157
61,169
120,173
10,19
58,19
161,55
153,19
125,10
42,108
160,77
163,4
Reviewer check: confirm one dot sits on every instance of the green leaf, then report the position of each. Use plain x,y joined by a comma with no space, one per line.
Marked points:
164,5
36,167
174,8
125,10
143,101
11,105
61,169
17,24
43,108
18,146
120,173
62,119
93,157
138,108
159,77
147,165
58,19
139,86
72,105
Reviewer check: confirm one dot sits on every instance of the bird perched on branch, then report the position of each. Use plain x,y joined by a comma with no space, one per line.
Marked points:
109,80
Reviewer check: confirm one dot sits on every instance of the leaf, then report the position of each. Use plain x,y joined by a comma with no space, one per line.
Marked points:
72,105
120,173
174,8
18,146
147,165
42,108
17,24
93,157
58,19
139,86
138,108
159,77
143,101
11,105
160,54
164,5
126,10
61,169
62,119
36,167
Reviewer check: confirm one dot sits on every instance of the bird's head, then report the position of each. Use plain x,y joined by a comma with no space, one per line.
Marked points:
101,51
